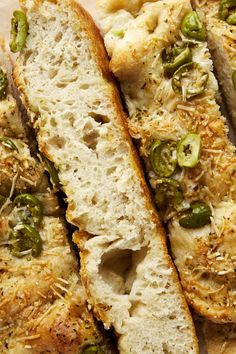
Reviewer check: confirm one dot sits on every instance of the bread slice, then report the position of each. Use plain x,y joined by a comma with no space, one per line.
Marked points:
136,34
131,283
43,306
221,38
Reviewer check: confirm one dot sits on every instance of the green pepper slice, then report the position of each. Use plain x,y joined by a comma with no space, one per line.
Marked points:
2,200
199,216
188,150
175,56
168,193
8,143
231,20
164,158
34,205
234,78
27,238
3,84
193,27
227,9
52,172
19,31
190,80
93,349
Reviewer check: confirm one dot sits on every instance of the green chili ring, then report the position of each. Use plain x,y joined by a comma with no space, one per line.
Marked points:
8,143
34,204
168,193
224,10
190,80
188,150
52,172
192,27
27,238
19,31
3,84
176,58
199,216
93,349
164,158
231,20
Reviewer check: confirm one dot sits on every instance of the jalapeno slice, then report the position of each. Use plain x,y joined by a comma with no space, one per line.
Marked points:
192,27
52,172
190,80
19,31
188,150
164,158
92,349
2,200
24,239
234,78
175,56
34,205
199,216
8,143
3,84
231,20
226,10
168,193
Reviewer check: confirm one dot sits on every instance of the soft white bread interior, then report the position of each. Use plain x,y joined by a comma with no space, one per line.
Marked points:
65,83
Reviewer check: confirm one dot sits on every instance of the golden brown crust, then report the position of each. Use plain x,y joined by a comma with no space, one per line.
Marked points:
100,57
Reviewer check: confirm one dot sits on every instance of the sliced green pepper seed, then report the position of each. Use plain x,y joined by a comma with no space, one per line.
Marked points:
227,9
164,158
92,349
175,56
190,80
234,78
168,193
19,31
3,84
25,239
192,27
8,143
33,204
52,172
188,150
199,216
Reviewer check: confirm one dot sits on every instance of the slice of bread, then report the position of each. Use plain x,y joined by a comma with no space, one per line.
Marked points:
43,306
138,34
222,44
131,283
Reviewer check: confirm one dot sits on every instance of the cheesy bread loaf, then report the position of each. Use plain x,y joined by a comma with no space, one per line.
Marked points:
73,102
43,306
220,20
159,54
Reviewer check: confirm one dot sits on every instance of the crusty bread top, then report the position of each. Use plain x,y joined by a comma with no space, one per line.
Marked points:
135,39
65,82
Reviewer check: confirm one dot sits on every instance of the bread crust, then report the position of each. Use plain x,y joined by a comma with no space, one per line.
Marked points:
99,55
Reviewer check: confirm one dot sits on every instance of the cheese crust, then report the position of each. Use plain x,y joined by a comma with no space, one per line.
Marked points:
135,37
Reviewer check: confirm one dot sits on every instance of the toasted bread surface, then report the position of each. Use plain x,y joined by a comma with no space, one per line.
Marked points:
137,36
